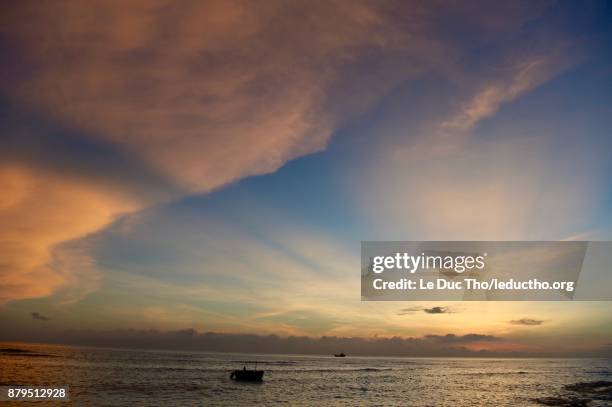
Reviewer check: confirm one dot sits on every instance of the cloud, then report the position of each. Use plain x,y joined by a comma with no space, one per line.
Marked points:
523,77
191,339
39,316
437,310
527,322
211,92
38,211
409,310
468,338
432,310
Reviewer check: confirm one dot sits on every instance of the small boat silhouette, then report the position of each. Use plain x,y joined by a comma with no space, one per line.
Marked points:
339,355
245,375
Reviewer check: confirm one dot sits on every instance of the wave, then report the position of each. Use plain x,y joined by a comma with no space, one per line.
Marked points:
23,352
600,372
520,372
371,369
265,362
335,370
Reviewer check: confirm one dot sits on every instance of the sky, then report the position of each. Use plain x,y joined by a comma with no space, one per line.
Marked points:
199,175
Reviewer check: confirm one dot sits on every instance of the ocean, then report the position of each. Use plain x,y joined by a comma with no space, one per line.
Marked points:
115,377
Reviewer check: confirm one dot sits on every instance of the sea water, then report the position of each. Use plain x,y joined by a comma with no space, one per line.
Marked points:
98,376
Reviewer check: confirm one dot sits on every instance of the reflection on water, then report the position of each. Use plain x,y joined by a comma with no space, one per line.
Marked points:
119,377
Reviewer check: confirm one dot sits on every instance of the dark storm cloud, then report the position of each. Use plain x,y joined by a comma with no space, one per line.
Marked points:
40,317
527,322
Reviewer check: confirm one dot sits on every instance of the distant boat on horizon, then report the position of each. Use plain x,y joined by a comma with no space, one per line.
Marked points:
339,355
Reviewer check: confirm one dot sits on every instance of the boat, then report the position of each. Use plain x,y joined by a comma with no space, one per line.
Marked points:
339,355
247,375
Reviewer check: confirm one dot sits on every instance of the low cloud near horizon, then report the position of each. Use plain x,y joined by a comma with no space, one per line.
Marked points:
527,322
468,338
449,345
432,310
192,340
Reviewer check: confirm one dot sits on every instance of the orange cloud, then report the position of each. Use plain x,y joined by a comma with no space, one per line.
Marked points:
210,92
39,211
206,92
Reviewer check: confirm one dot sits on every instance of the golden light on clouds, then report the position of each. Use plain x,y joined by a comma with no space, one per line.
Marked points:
205,92
38,212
